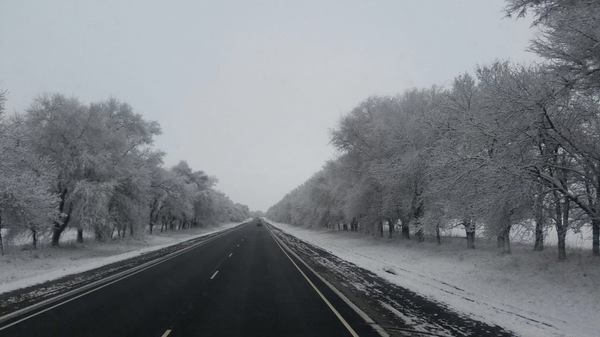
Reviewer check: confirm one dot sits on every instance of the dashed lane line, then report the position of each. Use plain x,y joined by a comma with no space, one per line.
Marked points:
166,333
95,286
214,275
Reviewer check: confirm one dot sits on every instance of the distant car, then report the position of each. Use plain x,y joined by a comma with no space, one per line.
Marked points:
259,223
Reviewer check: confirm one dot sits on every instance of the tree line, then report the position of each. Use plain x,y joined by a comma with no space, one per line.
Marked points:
503,146
93,168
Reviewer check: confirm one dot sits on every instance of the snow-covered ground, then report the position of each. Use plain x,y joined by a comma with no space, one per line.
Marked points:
527,292
22,268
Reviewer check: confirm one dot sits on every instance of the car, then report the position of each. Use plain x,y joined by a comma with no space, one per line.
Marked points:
259,223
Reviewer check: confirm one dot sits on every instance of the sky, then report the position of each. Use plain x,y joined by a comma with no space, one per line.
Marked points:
248,91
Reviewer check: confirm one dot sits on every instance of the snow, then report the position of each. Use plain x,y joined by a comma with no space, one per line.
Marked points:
526,292
23,268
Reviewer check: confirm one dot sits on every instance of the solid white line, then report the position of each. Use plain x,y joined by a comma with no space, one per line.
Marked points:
361,313
215,274
339,316
166,333
79,296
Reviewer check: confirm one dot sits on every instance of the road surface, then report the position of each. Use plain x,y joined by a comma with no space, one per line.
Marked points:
240,284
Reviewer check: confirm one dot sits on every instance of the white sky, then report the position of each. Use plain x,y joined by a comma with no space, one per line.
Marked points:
247,90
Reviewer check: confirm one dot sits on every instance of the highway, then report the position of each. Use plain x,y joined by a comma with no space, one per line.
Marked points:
241,283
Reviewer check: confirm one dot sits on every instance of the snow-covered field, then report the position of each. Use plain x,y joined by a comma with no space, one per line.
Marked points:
22,268
527,292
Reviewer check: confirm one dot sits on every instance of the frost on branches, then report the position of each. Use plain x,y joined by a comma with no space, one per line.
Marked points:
92,168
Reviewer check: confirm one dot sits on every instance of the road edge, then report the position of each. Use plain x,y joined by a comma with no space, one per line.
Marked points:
343,297
83,290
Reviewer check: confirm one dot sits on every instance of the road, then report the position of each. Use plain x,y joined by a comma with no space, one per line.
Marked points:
241,283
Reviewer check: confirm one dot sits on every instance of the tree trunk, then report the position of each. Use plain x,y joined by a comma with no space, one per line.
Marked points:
539,236
562,224
381,228
405,231
596,222
562,252
99,235
154,213
79,235
471,240
596,237
34,238
59,227
405,228
354,225
540,222
1,240
56,232
437,234
391,225
418,214
504,240
419,234
470,232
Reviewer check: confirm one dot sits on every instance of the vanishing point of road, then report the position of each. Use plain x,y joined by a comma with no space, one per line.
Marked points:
241,283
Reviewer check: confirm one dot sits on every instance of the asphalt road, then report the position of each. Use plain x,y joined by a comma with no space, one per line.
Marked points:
239,284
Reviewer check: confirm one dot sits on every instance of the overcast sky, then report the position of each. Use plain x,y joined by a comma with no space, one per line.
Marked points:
247,90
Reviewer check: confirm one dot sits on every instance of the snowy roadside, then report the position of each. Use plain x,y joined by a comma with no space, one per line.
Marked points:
525,292
20,269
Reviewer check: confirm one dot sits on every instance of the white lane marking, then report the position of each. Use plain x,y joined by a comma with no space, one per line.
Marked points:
339,316
166,333
93,286
215,274
119,278
238,245
361,313
230,255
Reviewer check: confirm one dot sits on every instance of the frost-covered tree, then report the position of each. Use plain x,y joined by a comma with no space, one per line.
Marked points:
570,44
128,145
182,198
512,142
92,167
58,127
388,135
508,145
99,150
26,204
569,38
164,183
